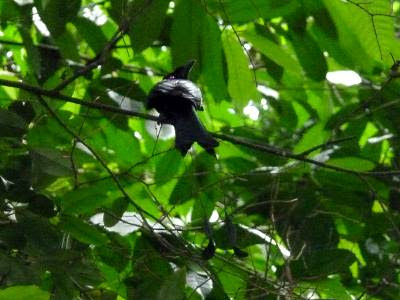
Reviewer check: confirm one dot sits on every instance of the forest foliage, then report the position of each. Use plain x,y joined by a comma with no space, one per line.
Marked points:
301,202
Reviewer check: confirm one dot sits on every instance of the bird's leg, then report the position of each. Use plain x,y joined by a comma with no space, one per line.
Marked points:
163,119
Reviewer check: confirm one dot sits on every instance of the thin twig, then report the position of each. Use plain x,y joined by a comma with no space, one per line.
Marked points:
372,16
323,145
98,60
287,154
20,44
140,210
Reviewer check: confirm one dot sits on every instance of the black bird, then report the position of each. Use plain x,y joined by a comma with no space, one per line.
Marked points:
176,98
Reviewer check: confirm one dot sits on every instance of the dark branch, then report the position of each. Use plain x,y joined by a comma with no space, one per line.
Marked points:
97,61
58,96
229,138
98,158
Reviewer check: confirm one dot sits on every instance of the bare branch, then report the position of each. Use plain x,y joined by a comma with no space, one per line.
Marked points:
229,138
58,96
98,60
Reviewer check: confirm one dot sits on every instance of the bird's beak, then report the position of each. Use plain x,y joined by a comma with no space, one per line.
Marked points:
181,72
188,67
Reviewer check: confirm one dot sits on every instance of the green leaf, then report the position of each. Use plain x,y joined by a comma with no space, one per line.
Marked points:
40,234
46,133
67,45
334,181
241,81
173,288
239,164
50,62
91,33
272,50
323,19
86,200
355,31
11,125
125,88
200,175
150,271
12,236
203,207
51,161
212,62
185,34
113,215
41,205
119,146
352,163
147,24
82,231
245,11
119,10
233,279
314,136
167,166
49,12
23,292
322,263
309,55
32,52
183,190
333,288
8,11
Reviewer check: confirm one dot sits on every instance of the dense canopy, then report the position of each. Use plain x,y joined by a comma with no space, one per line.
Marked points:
302,200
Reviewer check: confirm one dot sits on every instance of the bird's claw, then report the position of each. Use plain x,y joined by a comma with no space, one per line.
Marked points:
162,119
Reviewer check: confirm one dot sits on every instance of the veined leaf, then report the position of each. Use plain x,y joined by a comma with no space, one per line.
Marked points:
241,81
50,13
11,124
212,64
352,163
147,24
185,33
51,161
82,231
22,292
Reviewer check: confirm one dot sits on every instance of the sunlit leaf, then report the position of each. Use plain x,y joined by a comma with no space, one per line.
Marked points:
352,163
21,292
241,81
185,34
147,23
50,14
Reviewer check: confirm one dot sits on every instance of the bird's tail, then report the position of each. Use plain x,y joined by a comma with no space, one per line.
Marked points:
188,129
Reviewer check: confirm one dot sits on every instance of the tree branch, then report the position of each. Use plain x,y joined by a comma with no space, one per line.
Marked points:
140,210
58,96
98,60
299,157
229,138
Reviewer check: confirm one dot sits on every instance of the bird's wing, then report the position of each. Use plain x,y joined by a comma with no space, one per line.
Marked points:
180,88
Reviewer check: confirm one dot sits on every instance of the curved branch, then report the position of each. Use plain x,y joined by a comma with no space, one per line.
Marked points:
299,157
97,61
58,96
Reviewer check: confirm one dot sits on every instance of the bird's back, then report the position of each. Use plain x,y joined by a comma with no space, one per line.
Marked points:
175,94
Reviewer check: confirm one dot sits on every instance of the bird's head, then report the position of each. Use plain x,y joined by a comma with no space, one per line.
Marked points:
181,72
